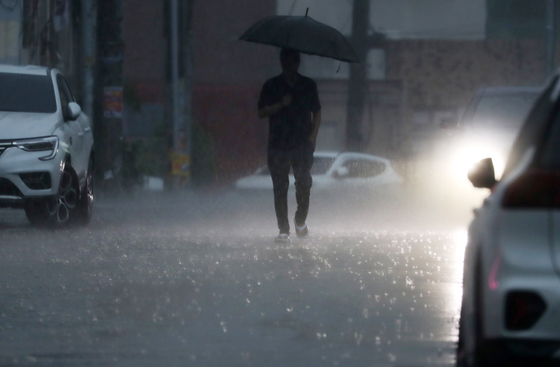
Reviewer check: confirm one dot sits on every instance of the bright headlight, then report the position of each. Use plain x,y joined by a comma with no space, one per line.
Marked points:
468,154
48,144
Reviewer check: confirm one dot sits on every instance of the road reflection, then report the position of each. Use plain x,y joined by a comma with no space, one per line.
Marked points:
200,280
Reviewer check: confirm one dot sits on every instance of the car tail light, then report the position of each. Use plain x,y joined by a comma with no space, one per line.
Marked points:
523,310
537,188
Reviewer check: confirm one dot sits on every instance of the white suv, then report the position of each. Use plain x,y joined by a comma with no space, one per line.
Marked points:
510,312
46,147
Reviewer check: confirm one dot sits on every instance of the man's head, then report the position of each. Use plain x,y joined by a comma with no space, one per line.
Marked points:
289,59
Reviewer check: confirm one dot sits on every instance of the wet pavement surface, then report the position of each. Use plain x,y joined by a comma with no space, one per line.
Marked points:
197,280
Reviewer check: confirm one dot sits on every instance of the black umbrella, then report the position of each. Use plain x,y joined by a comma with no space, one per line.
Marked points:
301,33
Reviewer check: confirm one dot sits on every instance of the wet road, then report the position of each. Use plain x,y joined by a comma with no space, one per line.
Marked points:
196,280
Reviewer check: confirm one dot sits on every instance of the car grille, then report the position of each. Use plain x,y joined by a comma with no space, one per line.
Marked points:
7,188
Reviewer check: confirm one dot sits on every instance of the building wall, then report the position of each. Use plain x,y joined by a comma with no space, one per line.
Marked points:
227,73
383,119
445,74
10,26
428,82
143,34
401,19
441,76
144,66
219,57
39,37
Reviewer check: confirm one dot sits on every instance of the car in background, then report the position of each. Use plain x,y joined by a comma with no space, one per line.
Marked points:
511,283
46,147
332,172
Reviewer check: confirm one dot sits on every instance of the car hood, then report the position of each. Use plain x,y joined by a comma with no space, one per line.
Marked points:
23,125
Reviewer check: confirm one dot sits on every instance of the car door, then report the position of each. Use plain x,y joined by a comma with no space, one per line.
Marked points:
73,130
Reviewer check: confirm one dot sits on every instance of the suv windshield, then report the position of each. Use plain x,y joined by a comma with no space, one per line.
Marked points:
26,93
503,111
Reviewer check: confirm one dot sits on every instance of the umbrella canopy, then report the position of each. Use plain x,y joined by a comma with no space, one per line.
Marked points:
301,33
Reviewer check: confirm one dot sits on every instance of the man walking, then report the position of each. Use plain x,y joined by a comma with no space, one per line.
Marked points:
291,102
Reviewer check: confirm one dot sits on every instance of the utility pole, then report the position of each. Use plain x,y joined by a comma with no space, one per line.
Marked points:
89,15
357,84
174,16
188,74
550,39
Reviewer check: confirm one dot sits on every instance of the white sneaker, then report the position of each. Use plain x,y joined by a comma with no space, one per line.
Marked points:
282,238
301,232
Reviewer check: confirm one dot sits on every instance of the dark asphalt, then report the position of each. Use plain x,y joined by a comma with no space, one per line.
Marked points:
196,280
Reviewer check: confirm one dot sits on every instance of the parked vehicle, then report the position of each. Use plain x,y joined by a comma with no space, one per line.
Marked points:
511,286
46,147
334,171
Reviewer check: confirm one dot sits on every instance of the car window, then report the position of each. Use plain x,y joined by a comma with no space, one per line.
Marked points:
26,93
550,152
65,95
533,129
67,88
503,111
359,168
321,165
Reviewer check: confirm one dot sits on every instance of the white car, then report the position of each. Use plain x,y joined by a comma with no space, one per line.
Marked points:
333,171
510,312
46,147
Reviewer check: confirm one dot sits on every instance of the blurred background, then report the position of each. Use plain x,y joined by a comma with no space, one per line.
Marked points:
172,93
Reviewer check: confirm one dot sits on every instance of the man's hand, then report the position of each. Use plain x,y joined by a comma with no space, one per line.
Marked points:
316,124
267,111
286,100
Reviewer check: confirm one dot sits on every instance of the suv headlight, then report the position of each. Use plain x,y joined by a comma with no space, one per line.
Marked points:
49,144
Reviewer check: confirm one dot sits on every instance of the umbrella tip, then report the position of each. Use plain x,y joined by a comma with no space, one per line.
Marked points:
307,11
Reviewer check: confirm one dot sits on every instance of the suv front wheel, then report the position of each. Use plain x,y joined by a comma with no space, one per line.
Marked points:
85,205
60,209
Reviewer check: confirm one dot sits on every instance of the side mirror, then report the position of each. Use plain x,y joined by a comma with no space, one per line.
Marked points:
74,110
341,172
482,174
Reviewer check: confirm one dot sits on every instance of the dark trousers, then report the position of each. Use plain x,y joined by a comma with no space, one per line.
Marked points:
301,161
